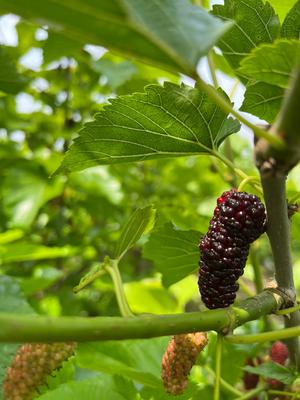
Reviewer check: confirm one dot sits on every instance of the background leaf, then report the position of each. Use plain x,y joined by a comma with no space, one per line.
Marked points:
255,23
169,121
92,388
10,235
178,257
25,190
273,63
164,32
24,251
140,222
274,371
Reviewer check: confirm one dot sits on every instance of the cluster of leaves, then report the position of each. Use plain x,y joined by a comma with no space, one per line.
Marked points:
56,231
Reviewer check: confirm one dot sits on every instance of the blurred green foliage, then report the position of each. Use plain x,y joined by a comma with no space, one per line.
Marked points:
54,230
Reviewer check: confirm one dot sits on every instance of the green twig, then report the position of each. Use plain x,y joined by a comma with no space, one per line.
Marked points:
245,288
218,366
293,395
258,278
234,88
246,181
224,384
238,171
289,310
212,70
265,336
227,143
113,269
251,393
229,154
28,328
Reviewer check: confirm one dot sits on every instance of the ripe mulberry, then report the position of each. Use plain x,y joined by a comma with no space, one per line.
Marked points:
31,366
239,219
279,354
251,380
179,358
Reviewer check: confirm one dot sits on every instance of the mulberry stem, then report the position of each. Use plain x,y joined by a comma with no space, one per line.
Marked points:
280,239
224,384
251,393
237,171
28,328
111,266
287,311
258,278
247,180
265,336
218,366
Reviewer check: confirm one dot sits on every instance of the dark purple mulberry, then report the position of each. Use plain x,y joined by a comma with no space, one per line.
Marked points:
239,219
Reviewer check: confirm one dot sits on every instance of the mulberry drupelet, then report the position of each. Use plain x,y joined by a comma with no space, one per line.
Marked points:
239,219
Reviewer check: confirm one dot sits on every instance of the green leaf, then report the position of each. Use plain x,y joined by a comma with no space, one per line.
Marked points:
175,253
282,7
255,23
140,222
139,360
164,32
191,392
25,190
44,276
11,301
263,100
10,80
64,374
272,63
24,251
274,371
169,121
89,389
291,25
